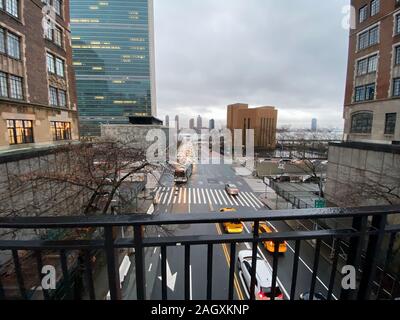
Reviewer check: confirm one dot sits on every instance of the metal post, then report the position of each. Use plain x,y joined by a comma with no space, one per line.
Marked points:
139,263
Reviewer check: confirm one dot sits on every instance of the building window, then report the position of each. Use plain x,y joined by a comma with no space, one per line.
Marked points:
375,7
20,131
57,97
49,31
365,93
16,88
50,63
59,67
368,38
53,96
390,123
367,65
61,130
62,98
398,24
58,36
10,44
55,65
3,85
13,46
57,4
11,7
363,14
2,41
397,59
396,87
362,122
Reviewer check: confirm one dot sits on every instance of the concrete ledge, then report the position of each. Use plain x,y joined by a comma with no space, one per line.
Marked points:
388,148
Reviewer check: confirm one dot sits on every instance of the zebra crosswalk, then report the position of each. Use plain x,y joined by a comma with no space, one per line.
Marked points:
198,196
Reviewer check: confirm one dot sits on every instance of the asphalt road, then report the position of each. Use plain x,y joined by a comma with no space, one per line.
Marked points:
204,193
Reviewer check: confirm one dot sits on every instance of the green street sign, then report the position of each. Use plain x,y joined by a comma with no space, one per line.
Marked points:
320,203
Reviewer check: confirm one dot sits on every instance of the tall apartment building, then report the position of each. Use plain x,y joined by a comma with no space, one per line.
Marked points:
199,122
263,120
365,168
113,50
37,85
372,99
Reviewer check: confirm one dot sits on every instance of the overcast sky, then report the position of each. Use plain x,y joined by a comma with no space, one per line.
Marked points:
284,53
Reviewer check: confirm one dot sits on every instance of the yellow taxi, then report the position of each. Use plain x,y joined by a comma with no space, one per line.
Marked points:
234,226
269,245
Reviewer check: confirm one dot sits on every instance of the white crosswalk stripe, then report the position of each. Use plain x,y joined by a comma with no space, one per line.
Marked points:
205,196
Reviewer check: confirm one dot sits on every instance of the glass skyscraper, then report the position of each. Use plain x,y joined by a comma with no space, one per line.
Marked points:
113,54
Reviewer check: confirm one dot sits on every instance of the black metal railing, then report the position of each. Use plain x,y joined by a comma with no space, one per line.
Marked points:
365,235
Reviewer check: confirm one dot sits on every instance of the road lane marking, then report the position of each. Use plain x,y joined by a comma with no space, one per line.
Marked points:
219,200
170,197
194,196
244,200
189,199
222,197
227,257
198,195
209,201
151,265
180,196
249,199
234,200
258,200
184,195
204,197
238,199
212,194
225,195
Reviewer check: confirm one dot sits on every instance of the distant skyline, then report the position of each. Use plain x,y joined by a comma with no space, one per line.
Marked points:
206,60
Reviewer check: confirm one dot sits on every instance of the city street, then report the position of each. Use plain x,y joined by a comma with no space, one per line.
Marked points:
205,193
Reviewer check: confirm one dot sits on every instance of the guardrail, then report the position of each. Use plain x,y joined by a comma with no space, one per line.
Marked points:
368,228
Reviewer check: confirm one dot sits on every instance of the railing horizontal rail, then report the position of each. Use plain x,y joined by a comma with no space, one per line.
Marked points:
170,219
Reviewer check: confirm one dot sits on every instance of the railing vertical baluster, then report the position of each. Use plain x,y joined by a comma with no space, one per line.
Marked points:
254,259
39,264
64,269
274,270
187,272
140,263
209,271
387,261
295,270
112,265
371,257
20,278
164,272
89,275
334,268
2,293
315,268
232,270
354,250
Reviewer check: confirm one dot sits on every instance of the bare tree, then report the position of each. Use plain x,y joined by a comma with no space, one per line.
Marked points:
99,168
313,168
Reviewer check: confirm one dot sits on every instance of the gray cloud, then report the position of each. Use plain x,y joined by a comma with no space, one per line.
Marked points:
291,54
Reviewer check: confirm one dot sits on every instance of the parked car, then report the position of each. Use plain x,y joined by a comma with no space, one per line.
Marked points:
232,226
263,288
232,189
318,296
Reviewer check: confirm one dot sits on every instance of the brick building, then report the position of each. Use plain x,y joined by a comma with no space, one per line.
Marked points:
365,168
262,120
372,99
37,84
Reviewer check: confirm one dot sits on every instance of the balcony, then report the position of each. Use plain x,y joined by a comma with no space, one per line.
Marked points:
369,235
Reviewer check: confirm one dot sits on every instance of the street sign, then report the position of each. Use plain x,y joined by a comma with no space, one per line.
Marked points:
321,203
